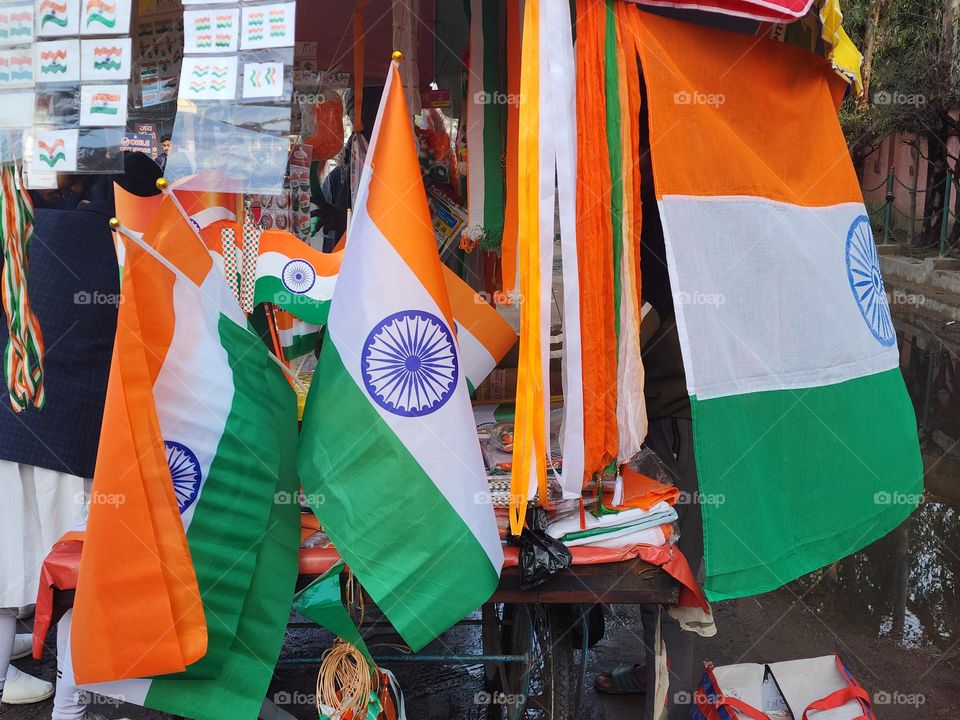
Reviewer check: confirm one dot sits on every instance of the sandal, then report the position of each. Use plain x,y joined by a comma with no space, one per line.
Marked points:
624,681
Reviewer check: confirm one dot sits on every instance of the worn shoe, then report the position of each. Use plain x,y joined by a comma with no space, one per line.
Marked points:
88,715
22,646
25,612
23,689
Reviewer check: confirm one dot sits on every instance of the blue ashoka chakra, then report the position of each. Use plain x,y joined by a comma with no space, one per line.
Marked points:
298,276
409,363
185,471
866,281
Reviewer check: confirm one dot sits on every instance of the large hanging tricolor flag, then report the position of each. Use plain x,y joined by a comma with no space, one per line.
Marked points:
189,563
806,439
388,437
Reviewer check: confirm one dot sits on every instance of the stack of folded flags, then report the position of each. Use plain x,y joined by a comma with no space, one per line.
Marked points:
634,509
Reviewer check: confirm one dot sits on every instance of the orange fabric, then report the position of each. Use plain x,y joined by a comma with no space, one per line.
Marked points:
641,491
194,201
714,160
280,241
133,211
511,220
59,572
595,243
473,313
135,542
174,237
397,202
632,102
529,448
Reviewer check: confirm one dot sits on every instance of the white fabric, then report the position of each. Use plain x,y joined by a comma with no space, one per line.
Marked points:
627,537
558,121
8,631
743,681
805,681
69,702
37,506
762,296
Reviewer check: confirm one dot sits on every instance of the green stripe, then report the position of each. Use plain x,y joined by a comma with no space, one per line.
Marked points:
270,289
228,524
411,550
494,126
301,345
256,459
616,157
793,480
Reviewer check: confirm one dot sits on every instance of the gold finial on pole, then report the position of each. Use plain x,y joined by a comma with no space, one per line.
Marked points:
114,223
162,184
397,56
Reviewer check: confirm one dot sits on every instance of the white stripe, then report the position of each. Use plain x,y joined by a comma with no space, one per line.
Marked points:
194,389
271,264
209,216
559,118
762,296
476,362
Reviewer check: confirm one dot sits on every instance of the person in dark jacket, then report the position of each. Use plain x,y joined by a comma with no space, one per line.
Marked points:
48,455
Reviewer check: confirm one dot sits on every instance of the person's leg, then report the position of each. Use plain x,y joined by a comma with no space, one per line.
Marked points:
8,631
69,702
672,440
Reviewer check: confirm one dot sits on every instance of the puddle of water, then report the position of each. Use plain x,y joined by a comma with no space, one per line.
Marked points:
905,586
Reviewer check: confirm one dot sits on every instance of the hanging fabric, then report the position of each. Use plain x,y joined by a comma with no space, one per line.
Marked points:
485,119
558,177
623,140
595,241
529,449
508,254
406,36
358,62
23,357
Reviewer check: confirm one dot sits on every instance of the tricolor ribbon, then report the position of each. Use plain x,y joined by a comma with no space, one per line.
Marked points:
23,357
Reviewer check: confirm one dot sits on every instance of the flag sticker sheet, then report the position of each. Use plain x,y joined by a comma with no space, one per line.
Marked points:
103,105
57,18
16,68
107,59
209,78
211,30
105,17
263,80
55,151
268,26
16,24
57,61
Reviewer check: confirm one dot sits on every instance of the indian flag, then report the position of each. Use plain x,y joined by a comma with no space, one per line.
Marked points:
295,277
805,437
388,438
189,562
296,336
483,335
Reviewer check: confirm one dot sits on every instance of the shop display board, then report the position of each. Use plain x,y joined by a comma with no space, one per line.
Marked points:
65,70
236,86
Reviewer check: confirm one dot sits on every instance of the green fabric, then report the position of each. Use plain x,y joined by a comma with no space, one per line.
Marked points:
837,467
494,127
301,345
321,602
411,550
615,148
270,289
260,449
